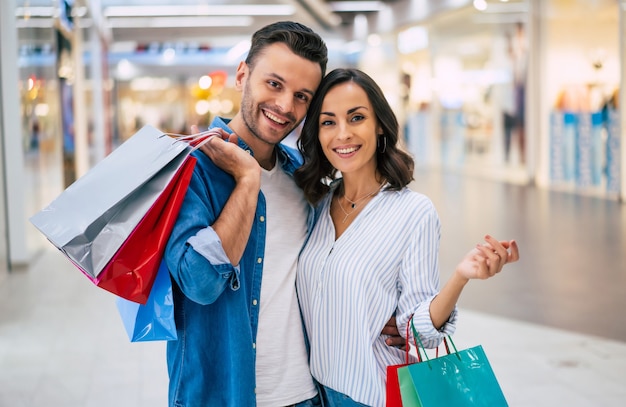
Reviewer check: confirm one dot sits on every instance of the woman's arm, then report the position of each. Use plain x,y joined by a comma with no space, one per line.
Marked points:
482,262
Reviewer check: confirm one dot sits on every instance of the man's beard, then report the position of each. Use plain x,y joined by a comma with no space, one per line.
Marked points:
248,111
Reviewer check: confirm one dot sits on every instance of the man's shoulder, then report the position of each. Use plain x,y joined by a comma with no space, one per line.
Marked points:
291,155
221,122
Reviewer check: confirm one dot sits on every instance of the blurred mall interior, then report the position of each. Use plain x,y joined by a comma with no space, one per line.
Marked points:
511,109
522,91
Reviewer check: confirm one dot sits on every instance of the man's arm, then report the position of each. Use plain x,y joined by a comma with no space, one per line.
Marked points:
234,223
394,339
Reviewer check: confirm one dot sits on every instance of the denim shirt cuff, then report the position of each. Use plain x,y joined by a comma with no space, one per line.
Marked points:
208,244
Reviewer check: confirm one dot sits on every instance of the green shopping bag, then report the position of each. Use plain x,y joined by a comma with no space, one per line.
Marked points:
458,379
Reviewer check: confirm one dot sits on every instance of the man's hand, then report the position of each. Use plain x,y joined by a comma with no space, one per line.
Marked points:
394,339
225,152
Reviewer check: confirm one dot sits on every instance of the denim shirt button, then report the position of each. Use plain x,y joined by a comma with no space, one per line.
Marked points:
259,260
262,218
254,302
253,345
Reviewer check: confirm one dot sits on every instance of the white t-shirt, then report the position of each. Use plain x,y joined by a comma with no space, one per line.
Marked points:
282,370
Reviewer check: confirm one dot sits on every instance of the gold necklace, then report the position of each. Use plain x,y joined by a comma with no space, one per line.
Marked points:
354,203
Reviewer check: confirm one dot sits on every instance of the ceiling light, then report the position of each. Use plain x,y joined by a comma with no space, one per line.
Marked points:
480,5
206,10
178,22
355,6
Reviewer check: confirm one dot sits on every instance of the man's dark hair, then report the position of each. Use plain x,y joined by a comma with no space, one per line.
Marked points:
394,164
300,39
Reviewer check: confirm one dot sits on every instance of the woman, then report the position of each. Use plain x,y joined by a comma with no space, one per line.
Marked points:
374,250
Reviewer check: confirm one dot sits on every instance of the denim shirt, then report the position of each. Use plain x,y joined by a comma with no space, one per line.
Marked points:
212,363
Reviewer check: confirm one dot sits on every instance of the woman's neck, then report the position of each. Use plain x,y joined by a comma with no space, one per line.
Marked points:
354,188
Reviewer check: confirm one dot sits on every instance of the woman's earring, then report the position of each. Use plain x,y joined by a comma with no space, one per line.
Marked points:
384,144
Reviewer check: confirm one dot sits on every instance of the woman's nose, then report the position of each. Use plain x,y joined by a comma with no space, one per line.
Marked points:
343,132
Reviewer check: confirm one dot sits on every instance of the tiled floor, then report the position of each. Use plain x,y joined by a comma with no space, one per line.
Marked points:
552,324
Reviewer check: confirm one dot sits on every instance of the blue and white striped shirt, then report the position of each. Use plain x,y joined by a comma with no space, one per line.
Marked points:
385,263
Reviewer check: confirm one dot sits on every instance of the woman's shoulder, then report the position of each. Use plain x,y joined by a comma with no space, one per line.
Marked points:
410,198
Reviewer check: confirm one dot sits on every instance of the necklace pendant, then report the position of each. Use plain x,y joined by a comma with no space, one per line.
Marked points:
353,206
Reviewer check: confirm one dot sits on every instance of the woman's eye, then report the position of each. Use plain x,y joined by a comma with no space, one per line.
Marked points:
357,118
326,123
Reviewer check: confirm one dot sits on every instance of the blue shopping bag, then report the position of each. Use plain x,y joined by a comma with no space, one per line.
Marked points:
459,379
154,320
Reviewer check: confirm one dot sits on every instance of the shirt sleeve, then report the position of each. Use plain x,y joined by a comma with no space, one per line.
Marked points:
419,280
208,244
194,253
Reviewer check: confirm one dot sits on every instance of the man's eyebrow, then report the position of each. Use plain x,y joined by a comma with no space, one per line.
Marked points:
280,78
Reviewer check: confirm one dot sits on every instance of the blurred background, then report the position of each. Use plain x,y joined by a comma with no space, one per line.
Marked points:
513,111
523,91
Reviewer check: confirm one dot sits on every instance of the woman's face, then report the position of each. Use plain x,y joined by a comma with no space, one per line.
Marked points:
349,129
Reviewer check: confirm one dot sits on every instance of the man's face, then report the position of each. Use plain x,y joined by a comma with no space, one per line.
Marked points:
276,92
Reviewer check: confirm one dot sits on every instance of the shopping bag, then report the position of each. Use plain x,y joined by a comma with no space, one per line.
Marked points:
132,270
91,218
393,391
94,217
154,320
458,379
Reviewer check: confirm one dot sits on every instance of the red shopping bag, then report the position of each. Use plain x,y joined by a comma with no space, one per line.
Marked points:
394,397
132,270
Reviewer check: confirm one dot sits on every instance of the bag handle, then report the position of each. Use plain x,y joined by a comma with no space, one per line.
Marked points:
447,338
407,345
194,140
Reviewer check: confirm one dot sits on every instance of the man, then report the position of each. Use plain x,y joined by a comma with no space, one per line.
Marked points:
243,221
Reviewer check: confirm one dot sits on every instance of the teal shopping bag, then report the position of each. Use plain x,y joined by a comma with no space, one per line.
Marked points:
459,379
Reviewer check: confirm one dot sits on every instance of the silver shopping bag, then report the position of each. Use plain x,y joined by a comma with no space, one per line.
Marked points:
92,218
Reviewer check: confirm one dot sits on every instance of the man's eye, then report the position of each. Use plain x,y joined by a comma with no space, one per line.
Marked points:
273,84
303,97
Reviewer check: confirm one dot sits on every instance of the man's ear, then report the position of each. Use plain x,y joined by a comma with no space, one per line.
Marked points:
240,76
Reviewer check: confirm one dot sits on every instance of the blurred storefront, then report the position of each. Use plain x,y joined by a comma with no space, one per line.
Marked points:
172,104
466,74
78,102
582,75
525,91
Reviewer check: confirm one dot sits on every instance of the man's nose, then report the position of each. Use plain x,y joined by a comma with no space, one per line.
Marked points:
285,103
